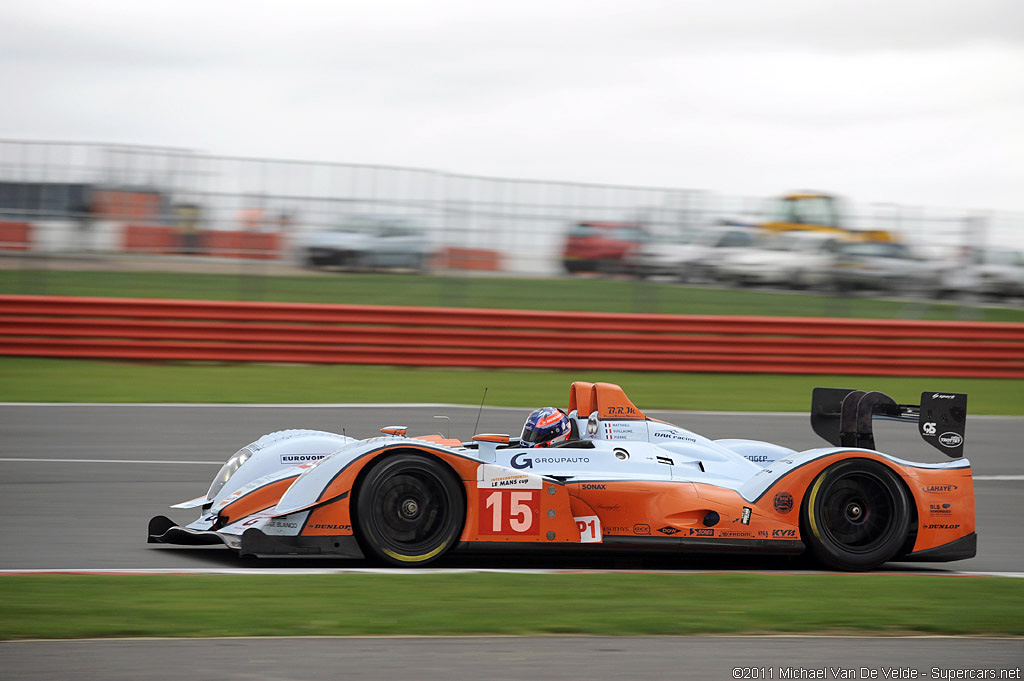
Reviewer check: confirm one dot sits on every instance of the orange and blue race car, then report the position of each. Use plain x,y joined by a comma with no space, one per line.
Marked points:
617,479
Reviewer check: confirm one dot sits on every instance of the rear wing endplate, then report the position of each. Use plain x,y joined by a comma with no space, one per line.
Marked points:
843,417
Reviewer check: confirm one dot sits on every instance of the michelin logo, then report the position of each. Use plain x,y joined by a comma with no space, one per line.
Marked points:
293,459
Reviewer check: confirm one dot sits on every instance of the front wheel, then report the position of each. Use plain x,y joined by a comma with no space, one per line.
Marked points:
409,510
856,515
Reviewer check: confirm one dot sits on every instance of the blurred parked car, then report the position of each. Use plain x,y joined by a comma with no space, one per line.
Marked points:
601,246
368,241
690,257
988,272
884,266
792,259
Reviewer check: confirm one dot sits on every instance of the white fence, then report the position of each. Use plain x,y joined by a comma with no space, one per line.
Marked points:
51,184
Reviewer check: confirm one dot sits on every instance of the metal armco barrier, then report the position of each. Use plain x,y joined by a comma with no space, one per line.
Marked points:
128,328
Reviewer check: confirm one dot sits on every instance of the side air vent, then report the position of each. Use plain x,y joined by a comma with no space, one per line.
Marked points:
667,461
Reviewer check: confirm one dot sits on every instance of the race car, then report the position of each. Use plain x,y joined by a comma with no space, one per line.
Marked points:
617,479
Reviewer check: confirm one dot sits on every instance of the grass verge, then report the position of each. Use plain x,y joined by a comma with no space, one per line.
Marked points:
61,606
61,380
585,294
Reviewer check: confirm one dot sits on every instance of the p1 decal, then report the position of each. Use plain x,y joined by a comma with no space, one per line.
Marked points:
508,511
589,527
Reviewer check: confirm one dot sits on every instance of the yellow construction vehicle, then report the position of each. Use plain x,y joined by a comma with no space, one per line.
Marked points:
815,212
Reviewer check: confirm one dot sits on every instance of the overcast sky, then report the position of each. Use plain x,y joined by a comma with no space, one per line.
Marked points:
919,101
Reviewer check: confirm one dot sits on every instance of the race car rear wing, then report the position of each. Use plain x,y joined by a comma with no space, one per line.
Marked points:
844,417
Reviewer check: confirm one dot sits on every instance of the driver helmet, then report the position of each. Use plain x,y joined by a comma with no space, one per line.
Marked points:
544,427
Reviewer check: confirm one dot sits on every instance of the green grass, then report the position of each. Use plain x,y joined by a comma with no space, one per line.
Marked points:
599,295
59,380
61,606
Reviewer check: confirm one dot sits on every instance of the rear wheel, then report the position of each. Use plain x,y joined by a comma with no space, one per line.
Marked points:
856,515
409,510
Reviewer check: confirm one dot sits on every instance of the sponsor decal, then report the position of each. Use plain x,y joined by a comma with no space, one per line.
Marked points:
733,533
757,458
951,439
939,488
641,528
284,525
617,529
331,526
783,534
607,507
521,460
668,530
292,459
940,396
940,509
784,461
783,502
511,481
928,428
593,485
702,532
674,435
762,533
745,516
497,477
589,527
941,526
621,411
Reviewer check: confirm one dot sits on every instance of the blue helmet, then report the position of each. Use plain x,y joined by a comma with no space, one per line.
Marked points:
545,426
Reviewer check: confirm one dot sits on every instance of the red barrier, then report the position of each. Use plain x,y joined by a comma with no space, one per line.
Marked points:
253,245
360,334
153,239
15,236
163,240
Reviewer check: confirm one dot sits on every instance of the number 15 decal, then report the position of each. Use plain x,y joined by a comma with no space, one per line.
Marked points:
506,511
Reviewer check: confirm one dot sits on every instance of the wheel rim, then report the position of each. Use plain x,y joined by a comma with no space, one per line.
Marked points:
412,511
858,512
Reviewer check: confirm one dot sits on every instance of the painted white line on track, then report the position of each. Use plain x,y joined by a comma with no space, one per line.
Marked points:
227,405
472,637
192,463
465,571
999,477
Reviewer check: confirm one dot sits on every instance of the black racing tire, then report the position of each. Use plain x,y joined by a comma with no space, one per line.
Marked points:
410,510
856,515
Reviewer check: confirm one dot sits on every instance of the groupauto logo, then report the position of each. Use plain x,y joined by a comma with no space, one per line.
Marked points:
951,439
525,462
